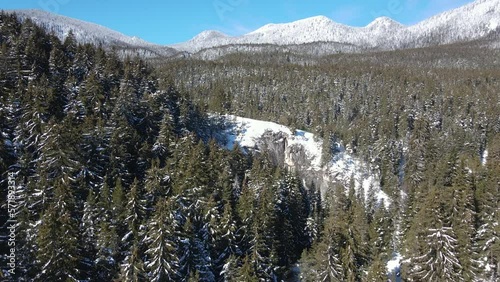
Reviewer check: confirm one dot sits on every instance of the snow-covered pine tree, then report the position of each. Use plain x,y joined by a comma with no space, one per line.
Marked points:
135,211
380,233
440,263
201,254
463,219
162,262
58,250
157,184
229,269
333,270
434,254
226,241
132,268
88,230
487,240
262,246
165,141
107,238
322,262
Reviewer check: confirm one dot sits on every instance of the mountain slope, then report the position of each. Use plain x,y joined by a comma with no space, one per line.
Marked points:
86,32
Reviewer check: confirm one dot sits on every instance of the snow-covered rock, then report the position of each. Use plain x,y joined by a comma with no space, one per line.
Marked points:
302,151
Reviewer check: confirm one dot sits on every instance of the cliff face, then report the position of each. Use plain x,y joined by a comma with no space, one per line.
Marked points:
292,157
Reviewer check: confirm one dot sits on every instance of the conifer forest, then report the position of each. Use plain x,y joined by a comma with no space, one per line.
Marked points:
115,167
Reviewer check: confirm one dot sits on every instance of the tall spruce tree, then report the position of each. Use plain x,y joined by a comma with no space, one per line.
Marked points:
162,263
58,250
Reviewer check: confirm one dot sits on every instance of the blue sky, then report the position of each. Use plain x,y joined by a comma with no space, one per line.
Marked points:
167,22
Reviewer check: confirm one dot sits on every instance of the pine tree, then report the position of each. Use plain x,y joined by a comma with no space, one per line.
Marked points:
89,234
262,244
291,213
58,251
440,262
322,262
247,272
118,206
162,262
201,256
107,238
377,271
435,253
229,269
135,211
246,214
157,183
333,268
165,141
185,249
380,233
487,239
123,144
132,268
225,243
463,220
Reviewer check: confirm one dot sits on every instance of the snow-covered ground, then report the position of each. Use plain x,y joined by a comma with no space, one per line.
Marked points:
394,265
341,168
484,157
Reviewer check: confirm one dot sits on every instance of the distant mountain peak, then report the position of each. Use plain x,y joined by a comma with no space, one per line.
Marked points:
317,19
384,23
209,35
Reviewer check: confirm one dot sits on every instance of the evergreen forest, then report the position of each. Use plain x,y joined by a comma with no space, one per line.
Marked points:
121,173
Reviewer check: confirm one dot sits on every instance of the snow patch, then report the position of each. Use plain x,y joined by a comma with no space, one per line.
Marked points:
394,264
494,24
484,157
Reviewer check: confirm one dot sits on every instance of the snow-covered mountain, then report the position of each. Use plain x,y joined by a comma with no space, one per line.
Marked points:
470,22
86,32
316,35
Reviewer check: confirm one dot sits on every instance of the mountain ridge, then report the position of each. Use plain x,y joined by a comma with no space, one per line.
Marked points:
88,32
476,20
469,22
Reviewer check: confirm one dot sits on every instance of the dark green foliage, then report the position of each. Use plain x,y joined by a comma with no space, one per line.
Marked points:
162,263
58,239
